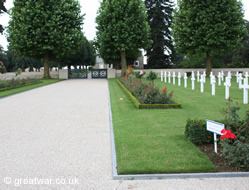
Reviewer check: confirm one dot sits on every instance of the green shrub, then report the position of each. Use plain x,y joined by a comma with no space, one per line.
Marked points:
152,76
236,151
196,132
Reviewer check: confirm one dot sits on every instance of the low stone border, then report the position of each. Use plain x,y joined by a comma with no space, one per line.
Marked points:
146,106
161,176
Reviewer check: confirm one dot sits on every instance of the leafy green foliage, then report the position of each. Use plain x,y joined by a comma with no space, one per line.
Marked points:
86,55
49,29
122,27
236,151
160,20
2,10
208,27
197,133
152,76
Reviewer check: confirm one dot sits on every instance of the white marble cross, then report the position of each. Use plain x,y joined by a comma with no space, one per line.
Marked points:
169,77
229,75
165,76
211,74
245,87
202,81
179,79
213,81
240,78
161,76
246,75
222,75
219,78
237,76
198,76
204,74
227,84
193,80
174,78
185,80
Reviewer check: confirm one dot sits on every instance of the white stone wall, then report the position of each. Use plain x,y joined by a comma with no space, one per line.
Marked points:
38,75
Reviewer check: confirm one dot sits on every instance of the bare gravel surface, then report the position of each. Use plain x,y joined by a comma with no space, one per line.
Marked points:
58,137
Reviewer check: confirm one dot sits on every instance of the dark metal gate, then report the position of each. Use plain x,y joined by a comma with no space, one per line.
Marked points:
84,73
99,73
77,74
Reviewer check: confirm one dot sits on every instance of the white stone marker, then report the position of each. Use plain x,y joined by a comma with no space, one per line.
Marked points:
204,74
174,78
185,80
161,76
179,79
202,81
229,75
169,77
237,76
198,76
213,81
227,84
165,76
240,78
211,74
193,80
219,78
222,75
245,86
246,75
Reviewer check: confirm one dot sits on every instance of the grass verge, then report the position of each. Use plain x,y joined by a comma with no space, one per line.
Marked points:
25,88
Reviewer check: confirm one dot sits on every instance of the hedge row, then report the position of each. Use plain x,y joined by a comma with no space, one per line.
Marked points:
18,86
146,106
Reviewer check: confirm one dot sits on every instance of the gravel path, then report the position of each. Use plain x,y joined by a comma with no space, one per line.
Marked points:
61,134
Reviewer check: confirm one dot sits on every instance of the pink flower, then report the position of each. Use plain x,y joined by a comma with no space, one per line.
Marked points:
132,83
141,72
239,128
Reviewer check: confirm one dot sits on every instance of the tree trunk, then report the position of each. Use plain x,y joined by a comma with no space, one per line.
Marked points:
46,67
59,64
208,64
123,63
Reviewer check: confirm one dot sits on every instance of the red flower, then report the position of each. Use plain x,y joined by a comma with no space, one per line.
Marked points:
239,128
125,76
132,83
164,89
236,168
227,134
132,88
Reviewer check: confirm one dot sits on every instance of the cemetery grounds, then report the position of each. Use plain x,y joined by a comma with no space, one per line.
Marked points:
153,140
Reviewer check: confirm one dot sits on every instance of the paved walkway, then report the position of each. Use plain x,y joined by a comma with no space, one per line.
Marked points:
62,131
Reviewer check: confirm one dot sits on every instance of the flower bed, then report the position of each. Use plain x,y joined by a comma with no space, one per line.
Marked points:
146,96
12,84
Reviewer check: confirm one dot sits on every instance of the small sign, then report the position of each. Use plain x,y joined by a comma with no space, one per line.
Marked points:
215,127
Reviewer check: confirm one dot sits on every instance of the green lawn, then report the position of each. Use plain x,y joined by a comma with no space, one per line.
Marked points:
153,141
21,89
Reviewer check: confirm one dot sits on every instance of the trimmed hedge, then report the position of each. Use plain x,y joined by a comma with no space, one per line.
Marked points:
18,86
196,132
146,106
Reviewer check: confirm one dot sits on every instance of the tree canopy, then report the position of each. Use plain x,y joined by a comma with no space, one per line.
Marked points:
210,27
122,26
47,29
2,10
160,20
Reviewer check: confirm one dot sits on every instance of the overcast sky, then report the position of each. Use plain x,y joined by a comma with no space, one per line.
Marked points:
89,7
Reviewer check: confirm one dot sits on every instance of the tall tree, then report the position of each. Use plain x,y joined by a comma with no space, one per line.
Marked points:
2,10
47,29
210,27
160,20
122,26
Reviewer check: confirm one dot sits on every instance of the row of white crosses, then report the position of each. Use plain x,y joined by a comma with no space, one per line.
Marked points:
202,80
